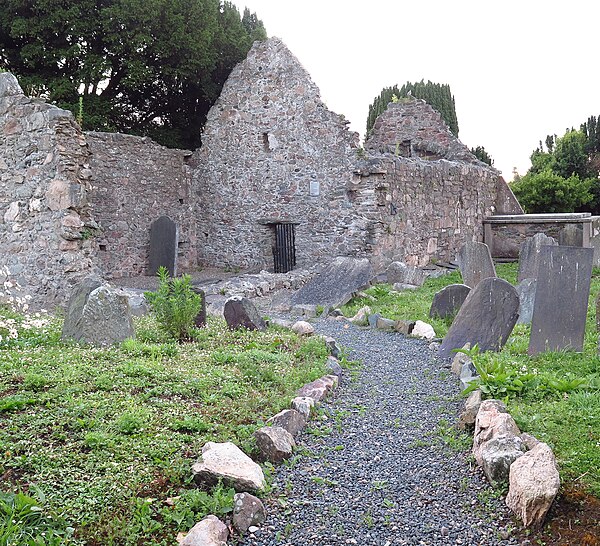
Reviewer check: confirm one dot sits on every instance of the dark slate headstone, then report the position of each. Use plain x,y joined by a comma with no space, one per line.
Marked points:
240,312
200,319
475,262
561,299
337,282
526,290
448,300
163,246
529,255
571,235
486,318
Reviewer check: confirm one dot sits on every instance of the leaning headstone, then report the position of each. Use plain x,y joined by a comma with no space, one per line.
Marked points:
529,255
240,312
475,262
163,246
97,314
571,235
335,285
487,318
561,299
448,300
526,290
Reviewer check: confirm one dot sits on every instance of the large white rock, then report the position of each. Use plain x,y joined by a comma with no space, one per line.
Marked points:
533,485
497,456
211,531
492,421
423,330
229,463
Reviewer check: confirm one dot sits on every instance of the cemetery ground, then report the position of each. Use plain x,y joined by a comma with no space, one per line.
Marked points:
553,396
101,440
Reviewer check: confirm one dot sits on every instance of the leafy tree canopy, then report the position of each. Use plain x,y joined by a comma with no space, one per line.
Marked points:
148,67
437,95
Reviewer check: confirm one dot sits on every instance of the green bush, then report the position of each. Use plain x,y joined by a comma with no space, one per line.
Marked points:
175,304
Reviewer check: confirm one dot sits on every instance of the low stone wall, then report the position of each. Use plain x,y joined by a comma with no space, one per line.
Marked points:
136,181
45,219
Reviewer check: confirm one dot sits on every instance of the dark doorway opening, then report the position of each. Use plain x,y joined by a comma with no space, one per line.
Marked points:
284,247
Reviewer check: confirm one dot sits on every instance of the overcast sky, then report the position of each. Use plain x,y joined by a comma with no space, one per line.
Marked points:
518,69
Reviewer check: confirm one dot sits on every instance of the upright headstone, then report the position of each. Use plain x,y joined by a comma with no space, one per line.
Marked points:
399,272
561,299
163,246
200,319
475,263
240,312
526,290
449,300
529,255
486,318
571,235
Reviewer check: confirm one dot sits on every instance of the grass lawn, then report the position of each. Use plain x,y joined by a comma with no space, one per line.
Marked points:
96,445
554,396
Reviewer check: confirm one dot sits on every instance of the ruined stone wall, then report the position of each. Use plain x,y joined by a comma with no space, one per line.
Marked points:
273,153
44,184
135,181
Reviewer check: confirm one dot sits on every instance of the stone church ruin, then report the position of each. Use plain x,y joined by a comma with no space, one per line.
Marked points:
279,182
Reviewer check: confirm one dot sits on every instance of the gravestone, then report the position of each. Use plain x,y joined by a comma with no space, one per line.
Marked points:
529,255
475,263
200,320
240,312
571,235
336,283
486,318
526,290
163,246
448,300
399,272
561,299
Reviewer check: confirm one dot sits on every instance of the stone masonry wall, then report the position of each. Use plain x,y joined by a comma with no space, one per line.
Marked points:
135,181
44,184
273,153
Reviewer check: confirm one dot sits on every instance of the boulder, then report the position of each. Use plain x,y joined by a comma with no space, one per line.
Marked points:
336,283
320,388
303,405
291,420
459,359
334,366
404,326
399,272
466,421
97,314
372,319
492,421
137,301
332,346
361,316
533,485
447,302
211,531
498,454
227,462
303,328
248,511
423,330
275,444
240,312
385,324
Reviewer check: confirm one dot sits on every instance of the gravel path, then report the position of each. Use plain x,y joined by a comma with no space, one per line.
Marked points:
374,470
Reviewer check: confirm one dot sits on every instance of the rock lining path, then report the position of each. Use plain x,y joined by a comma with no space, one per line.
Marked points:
382,475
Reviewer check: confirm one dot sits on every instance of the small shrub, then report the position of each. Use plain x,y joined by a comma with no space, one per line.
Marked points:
175,304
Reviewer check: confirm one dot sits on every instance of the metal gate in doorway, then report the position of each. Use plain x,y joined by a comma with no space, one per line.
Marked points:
284,248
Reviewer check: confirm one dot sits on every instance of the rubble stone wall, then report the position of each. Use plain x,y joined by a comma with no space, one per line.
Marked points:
135,181
45,218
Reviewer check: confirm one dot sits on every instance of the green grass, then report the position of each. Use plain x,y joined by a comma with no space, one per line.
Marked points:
554,396
107,435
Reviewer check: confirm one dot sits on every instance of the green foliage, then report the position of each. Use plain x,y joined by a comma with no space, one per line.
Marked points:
150,68
437,95
480,153
175,304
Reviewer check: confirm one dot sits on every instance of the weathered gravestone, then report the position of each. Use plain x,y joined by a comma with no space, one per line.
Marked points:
561,299
475,263
97,314
449,300
529,255
526,290
486,318
240,312
399,272
163,246
200,319
336,283
571,235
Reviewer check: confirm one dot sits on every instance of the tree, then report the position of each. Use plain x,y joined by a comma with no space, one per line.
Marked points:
437,95
150,67
481,154
570,155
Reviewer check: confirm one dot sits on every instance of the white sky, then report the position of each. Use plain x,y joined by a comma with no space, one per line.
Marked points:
518,69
